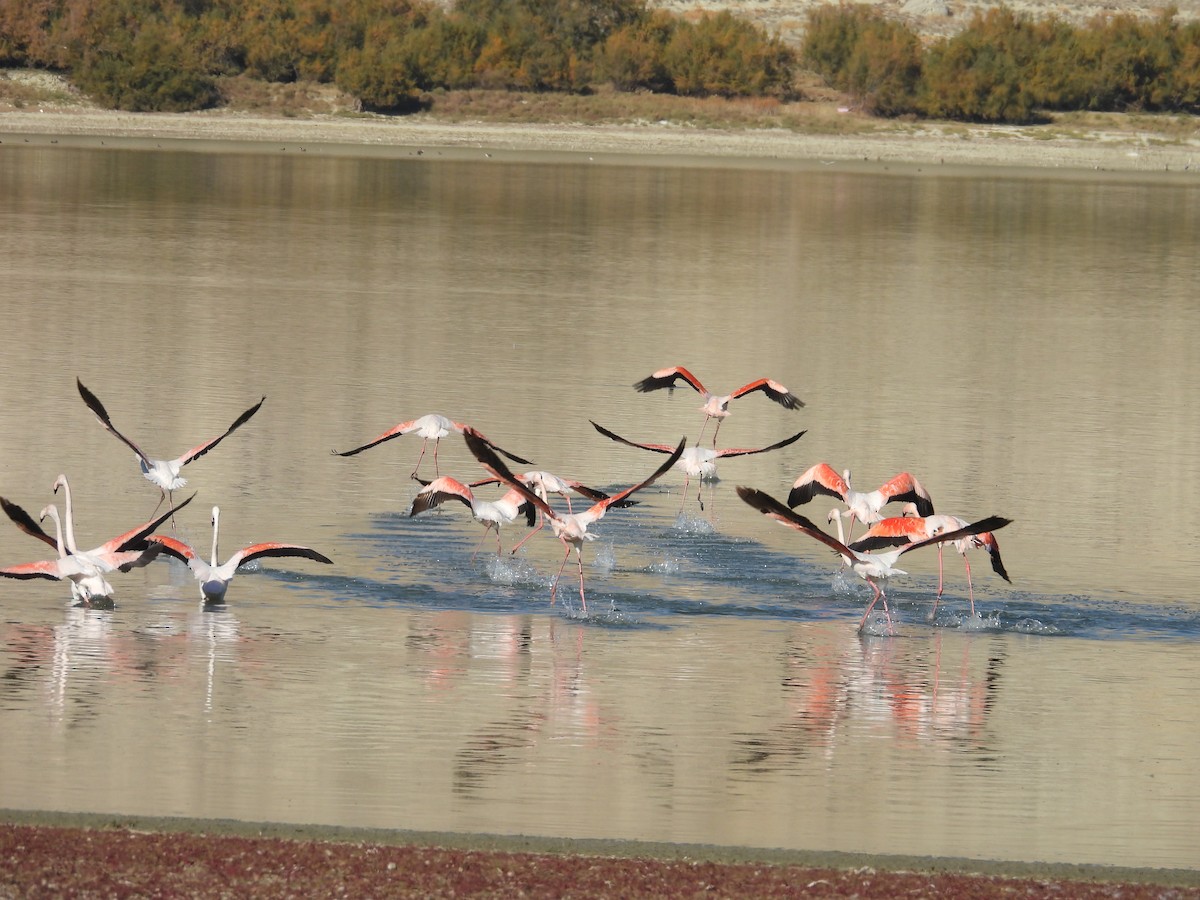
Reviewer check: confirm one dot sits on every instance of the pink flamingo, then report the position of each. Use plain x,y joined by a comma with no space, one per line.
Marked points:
431,427
873,568
164,473
571,529
214,577
906,529
863,506
698,462
716,406
491,514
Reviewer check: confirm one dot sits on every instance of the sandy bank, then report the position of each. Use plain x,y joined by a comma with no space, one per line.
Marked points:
926,145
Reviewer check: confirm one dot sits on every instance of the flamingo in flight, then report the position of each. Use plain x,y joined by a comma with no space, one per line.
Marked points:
863,506
900,530
491,514
716,406
431,427
164,473
85,570
546,483
214,577
698,462
571,529
873,568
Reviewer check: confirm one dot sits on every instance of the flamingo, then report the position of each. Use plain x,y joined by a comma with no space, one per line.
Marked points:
85,570
698,462
163,473
863,506
716,406
491,514
431,427
908,528
871,567
214,577
571,529
546,483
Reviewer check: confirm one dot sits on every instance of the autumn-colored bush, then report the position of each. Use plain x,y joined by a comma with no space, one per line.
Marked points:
857,50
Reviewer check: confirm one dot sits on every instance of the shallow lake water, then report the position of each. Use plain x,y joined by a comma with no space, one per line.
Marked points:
1027,345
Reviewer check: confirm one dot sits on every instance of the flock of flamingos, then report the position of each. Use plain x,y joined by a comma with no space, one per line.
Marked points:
873,556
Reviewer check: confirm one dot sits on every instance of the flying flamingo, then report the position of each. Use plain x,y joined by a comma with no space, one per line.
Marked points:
863,506
871,567
164,473
214,577
571,529
546,483
431,427
905,529
697,462
716,406
491,514
86,571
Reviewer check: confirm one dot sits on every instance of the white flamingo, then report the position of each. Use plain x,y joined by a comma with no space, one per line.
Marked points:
431,427
698,462
214,577
163,473
861,506
491,514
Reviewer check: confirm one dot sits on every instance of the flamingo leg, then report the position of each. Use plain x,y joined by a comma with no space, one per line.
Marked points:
540,525
486,529
582,598
970,588
421,456
879,595
554,586
716,431
938,596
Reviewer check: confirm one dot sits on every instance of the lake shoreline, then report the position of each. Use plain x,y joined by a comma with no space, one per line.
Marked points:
928,147
120,850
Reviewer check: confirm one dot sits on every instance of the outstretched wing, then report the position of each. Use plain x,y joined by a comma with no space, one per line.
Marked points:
905,488
667,378
991,523
258,551
26,523
735,451
94,404
773,389
394,432
482,450
437,492
657,448
895,531
820,479
197,452
47,568
597,510
136,539
185,553
769,506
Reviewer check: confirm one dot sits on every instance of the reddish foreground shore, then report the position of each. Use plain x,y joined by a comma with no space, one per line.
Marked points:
39,860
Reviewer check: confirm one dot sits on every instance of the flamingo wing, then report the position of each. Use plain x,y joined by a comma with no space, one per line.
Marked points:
773,389
820,479
745,451
137,538
200,450
51,569
393,432
657,448
597,510
905,487
26,523
437,492
174,547
667,378
484,452
94,404
463,429
274,548
988,542
769,506
991,523
892,532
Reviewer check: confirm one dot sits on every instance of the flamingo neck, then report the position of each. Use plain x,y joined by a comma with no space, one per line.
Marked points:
69,515
52,512
216,520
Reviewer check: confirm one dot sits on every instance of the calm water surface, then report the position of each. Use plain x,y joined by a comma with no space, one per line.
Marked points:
1028,346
